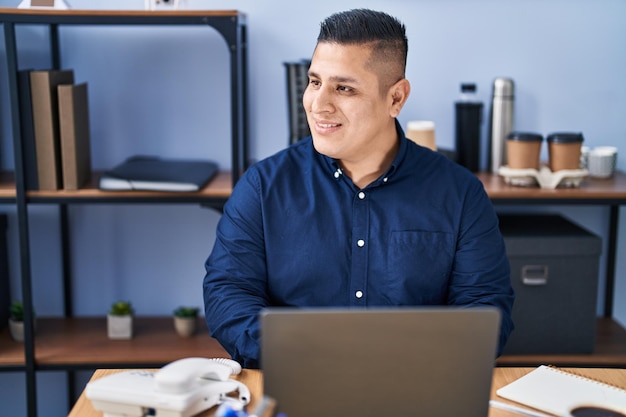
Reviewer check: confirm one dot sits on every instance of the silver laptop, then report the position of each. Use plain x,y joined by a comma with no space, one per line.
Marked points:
405,362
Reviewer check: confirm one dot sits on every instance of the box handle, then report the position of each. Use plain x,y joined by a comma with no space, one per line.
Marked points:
535,275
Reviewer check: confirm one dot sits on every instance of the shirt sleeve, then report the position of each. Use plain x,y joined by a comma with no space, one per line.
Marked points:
235,282
481,271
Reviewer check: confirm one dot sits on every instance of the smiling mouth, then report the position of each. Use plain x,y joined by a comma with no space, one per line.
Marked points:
327,125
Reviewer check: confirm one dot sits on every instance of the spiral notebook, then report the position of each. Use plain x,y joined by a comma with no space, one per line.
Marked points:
555,391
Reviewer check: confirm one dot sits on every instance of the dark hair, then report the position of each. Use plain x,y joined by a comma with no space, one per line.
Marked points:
385,33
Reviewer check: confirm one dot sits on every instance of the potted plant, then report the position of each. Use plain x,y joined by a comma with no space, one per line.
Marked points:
185,320
120,320
16,321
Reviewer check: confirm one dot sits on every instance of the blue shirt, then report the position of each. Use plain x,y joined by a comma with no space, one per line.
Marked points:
297,232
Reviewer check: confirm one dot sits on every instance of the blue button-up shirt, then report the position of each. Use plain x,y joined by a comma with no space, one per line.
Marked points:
296,231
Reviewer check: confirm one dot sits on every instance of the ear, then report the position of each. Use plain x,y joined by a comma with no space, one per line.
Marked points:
398,93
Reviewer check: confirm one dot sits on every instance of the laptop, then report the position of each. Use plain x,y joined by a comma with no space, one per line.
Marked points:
405,362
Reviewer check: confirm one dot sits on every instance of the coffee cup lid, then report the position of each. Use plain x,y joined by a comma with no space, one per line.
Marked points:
565,137
525,136
420,125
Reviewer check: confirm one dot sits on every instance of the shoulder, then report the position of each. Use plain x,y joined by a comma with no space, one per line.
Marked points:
281,166
292,156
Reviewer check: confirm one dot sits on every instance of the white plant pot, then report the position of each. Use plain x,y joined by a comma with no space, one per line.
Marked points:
17,330
185,326
120,327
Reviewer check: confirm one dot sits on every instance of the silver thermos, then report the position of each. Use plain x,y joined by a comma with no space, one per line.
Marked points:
501,121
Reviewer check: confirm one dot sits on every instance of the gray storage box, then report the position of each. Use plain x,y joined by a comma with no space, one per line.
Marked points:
554,271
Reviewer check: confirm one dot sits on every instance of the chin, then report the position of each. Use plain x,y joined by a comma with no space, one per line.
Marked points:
324,146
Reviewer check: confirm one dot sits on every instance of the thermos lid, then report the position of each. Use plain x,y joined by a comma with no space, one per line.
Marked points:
525,137
468,88
503,87
565,137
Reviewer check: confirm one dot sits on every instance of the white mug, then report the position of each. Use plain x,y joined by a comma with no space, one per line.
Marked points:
601,161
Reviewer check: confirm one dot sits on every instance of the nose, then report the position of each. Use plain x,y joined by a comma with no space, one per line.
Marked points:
317,100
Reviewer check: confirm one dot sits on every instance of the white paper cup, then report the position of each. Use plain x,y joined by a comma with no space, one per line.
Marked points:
422,132
602,161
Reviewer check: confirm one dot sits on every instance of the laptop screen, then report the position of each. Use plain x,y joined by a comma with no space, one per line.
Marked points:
431,361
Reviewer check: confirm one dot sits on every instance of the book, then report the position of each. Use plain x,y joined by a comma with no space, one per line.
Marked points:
157,174
43,85
29,151
74,135
555,391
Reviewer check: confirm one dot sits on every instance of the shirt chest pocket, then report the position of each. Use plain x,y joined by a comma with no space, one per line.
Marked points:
420,259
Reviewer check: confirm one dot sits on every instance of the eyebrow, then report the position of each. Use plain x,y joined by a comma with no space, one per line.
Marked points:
336,78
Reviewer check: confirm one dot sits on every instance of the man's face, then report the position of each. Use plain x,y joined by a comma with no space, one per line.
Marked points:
348,115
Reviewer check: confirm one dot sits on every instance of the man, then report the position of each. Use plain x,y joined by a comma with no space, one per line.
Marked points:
356,215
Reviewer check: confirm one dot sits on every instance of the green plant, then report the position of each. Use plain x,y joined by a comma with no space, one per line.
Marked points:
186,311
121,308
16,311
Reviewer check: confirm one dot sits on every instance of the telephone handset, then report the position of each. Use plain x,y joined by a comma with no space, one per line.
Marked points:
181,388
180,376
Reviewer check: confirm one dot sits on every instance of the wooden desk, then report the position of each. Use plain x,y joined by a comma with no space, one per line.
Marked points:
501,377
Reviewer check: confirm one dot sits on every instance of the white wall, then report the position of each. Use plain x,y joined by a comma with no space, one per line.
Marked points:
164,91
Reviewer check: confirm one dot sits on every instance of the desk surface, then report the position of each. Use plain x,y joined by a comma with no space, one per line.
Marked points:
501,377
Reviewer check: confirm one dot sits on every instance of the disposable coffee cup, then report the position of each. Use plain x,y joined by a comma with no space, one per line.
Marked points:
564,150
601,161
523,150
422,132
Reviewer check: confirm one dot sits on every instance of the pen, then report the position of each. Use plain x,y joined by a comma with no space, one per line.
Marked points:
517,410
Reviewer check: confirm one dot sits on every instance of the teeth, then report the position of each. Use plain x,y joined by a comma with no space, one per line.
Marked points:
326,125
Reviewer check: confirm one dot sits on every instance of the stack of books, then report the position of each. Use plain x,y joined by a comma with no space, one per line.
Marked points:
54,119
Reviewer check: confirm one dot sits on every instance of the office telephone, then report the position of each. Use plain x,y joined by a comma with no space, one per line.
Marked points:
182,388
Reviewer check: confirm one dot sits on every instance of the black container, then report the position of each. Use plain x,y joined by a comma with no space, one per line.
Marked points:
469,115
554,272
297,81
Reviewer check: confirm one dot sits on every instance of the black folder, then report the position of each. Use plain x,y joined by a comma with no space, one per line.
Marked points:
159,174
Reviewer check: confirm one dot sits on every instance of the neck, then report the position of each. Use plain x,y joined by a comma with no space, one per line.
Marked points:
363,173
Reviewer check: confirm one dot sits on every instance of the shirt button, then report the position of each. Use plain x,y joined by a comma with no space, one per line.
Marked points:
360,243
359,294
337,174
361,195
385,179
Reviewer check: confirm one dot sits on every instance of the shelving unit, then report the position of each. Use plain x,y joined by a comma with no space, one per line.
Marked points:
80,343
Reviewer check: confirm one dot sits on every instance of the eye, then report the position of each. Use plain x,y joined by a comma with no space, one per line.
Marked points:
344,89
314,83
